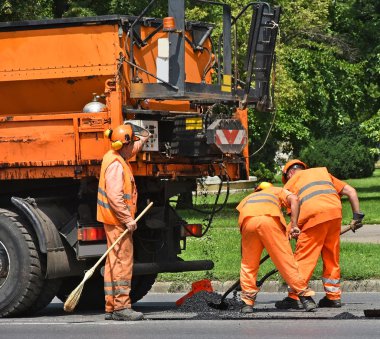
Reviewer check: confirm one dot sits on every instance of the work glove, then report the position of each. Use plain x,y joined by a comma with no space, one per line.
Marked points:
140,131
358,216
356,221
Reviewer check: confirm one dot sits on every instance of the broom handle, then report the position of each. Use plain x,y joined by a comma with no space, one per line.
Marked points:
118,239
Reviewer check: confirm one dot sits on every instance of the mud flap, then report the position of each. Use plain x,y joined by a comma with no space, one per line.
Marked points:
49,239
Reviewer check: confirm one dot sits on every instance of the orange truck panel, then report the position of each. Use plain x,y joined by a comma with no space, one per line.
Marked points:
48,74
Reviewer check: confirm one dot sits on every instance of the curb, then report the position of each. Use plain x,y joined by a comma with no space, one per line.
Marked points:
269,286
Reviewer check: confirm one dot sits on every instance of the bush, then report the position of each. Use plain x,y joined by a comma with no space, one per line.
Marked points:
345,156
262,172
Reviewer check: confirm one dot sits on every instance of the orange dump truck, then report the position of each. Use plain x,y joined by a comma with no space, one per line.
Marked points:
165,75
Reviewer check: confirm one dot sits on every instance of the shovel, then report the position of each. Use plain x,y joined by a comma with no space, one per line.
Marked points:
222,305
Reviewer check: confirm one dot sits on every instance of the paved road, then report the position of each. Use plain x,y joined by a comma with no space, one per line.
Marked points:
366,234
164,322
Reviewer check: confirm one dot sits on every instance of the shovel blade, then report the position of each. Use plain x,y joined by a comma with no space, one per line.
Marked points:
220,306
372,313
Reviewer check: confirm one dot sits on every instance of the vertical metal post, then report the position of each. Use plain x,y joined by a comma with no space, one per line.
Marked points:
177,46
227,55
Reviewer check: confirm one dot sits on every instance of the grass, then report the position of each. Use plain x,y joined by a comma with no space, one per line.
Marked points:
222,242
369,196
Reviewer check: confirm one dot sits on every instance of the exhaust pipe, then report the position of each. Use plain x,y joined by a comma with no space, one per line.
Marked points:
172,267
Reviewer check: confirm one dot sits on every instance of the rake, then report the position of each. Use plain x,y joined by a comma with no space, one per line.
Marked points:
74,296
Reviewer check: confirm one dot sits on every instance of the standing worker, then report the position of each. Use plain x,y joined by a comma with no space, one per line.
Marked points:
117,198
320,221
262,225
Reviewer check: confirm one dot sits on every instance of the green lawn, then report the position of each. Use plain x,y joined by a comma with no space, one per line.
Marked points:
358,261
222,242
369,195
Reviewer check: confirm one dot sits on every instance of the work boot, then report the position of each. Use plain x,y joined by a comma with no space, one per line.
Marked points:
288,303
308,303
127,314
108,316
246,309
326,302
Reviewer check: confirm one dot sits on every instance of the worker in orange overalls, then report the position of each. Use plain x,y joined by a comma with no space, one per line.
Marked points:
320,223
262,225
117,198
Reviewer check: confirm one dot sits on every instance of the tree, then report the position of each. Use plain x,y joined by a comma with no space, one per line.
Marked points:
14,10
328,63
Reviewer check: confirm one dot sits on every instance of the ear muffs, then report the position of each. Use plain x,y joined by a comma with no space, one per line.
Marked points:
108,133
116,145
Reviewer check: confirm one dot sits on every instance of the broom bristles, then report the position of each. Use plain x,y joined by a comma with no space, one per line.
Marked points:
73,298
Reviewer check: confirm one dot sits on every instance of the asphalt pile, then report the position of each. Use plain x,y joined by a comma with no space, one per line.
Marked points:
346,315
199,302
198,306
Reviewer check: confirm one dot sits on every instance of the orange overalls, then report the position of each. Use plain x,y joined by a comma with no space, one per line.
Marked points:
262,225
117,198
320,223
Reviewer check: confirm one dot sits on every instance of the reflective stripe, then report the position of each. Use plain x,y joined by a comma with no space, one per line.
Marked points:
117,283
313,194
103,204
251,295
332,289
264,195
314,183
125,196
102,192
330,281
114,292
260,200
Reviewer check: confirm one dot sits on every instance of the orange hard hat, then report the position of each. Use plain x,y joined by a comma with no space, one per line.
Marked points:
291,164
122,134
263,185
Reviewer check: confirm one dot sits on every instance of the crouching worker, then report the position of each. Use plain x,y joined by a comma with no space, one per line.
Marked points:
117,198
262,225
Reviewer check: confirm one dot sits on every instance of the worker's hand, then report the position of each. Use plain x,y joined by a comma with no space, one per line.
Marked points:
141,132
355,224
131,225
294,232
356,221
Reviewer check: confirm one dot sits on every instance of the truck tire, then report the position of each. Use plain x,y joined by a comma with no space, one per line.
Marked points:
141,285
21,280
49,290
92,296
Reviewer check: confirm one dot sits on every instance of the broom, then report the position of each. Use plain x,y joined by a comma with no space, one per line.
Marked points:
74,296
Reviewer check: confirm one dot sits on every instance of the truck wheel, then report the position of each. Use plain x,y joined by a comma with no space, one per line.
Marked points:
92,296
21,278
141,285
49,290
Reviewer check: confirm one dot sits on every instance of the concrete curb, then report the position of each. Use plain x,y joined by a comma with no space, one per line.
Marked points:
269,286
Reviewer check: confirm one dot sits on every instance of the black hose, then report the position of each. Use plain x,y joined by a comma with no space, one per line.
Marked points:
214,210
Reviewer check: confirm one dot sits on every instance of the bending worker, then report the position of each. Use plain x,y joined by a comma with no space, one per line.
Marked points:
117,198
262,225
320,223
